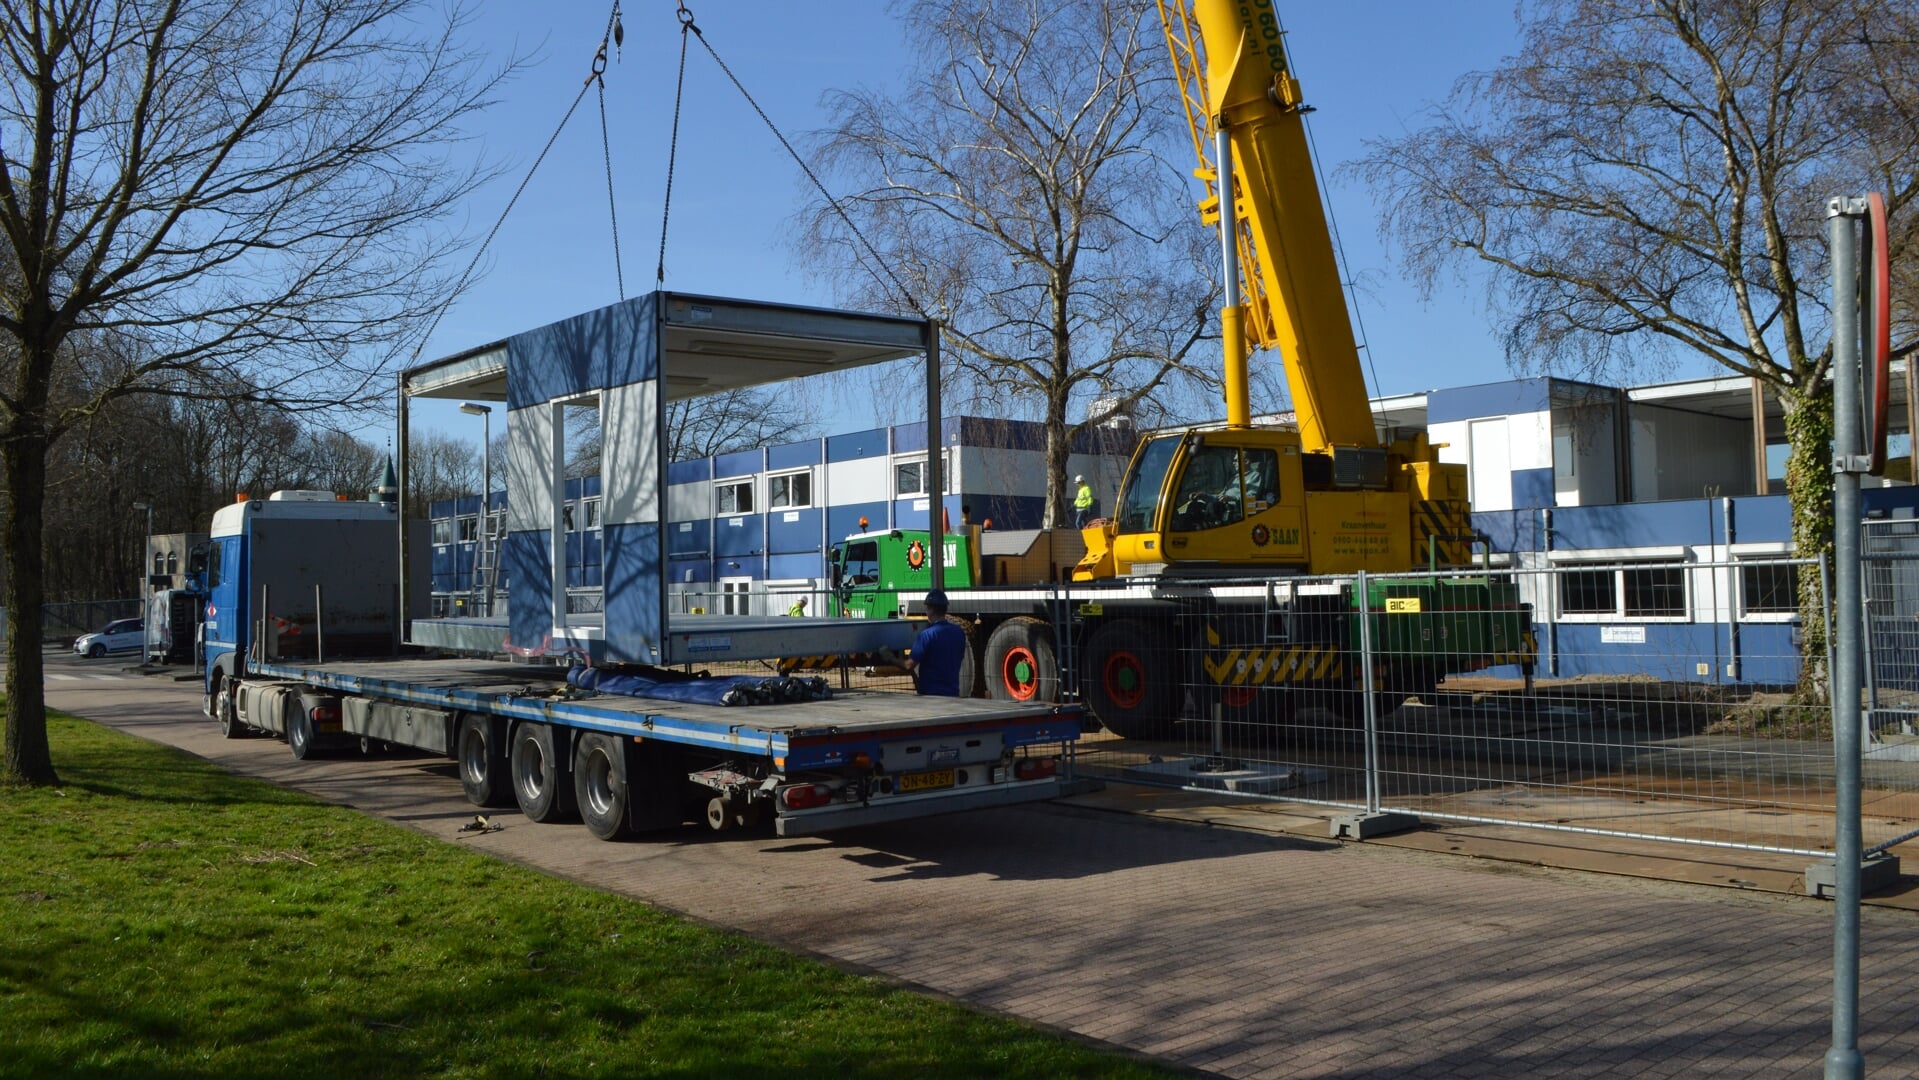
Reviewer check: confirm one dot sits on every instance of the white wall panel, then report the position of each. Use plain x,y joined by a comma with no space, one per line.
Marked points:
630,454
529,468
859,481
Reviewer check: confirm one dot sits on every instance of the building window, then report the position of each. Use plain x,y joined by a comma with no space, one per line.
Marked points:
1588,592
592,513
1624,592
1655,592
909,478
469,529
1768,589
173,562
733,497
789,491
443,530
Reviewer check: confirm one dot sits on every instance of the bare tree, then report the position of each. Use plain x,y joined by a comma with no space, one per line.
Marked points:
1015,192
440,467
205,194
1647,179
733,420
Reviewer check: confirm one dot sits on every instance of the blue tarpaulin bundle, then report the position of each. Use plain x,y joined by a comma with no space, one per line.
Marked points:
700,689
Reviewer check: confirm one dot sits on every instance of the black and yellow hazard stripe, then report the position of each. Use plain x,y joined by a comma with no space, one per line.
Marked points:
1446,520
1273,665
790,664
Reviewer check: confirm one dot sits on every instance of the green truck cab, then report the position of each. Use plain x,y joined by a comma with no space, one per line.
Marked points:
871,569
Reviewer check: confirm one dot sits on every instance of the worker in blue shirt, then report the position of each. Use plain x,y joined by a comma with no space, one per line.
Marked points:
938,651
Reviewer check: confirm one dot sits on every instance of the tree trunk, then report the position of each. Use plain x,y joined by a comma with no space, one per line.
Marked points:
1809,489
1059,450
24,458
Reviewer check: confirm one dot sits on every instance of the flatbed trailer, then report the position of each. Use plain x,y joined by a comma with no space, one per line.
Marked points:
857,758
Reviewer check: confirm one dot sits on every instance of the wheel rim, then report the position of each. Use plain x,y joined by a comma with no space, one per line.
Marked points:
1125,679
1019,672
472,755
598,783
529,768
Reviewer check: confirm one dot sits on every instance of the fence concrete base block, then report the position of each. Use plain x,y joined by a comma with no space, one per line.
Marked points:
1364,826
1876,873
1245,778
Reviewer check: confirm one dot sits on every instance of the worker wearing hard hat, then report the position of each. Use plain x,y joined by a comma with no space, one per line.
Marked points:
1082,502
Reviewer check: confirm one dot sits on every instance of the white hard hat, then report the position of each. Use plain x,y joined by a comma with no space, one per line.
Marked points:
1079,479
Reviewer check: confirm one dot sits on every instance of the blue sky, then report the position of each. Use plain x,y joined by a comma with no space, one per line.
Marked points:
1369,67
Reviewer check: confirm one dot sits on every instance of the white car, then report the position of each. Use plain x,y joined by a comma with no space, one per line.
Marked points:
120,635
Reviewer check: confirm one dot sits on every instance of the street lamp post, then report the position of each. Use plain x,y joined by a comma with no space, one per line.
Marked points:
485,413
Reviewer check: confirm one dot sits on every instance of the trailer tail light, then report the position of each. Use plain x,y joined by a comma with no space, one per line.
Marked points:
1034,768
805,796
325,714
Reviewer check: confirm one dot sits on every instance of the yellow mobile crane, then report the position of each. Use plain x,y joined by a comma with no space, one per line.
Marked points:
1328,498
1159,620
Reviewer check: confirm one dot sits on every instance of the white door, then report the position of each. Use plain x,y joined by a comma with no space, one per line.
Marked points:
736,596
1490,476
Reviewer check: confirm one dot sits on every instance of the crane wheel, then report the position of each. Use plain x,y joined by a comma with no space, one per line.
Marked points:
1021,663
1132,679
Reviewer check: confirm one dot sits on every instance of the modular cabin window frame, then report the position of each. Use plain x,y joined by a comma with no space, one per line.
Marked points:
442,531
915,466
1765,583
467,527
733,497
790,490
1652,585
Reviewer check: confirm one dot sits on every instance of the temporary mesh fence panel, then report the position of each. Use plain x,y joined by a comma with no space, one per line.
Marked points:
1662,700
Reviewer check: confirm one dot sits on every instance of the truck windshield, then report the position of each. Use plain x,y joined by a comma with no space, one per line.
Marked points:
1139,499
861,565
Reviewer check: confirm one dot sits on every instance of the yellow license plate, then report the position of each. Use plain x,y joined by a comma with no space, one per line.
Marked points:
924,781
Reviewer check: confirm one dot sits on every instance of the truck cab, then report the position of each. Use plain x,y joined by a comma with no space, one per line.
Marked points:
871,569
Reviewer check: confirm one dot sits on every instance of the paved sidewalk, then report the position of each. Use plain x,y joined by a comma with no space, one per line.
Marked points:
1242,954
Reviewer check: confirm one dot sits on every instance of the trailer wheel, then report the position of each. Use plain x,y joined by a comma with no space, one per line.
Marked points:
540,783
299,728
599,784
484,775
721,813
971,683
227,711
1133,679
1021,664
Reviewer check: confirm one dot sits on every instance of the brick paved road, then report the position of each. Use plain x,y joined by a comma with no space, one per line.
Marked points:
1246,955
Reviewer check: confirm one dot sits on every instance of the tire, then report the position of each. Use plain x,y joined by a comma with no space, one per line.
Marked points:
227,711
484,774
1132,679
540,782
299,727
1021,663
971,683
599,784
96,651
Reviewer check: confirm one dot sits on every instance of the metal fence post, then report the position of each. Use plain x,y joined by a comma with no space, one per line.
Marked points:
1374,820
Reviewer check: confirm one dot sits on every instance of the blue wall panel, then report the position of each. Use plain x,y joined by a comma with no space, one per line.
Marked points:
1001,434
1761,519
687,472
611,346
745,463
859,444
793,455
737,537
808,565
633,600
1887,500
800,534
1509,530
530,564
688,537
1684,521
909,438
1672,651
1533,487
844,521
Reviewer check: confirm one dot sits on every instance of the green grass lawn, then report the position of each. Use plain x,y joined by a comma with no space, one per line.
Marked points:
160,917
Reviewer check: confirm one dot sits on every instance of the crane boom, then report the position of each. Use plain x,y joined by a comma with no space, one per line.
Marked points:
1295,304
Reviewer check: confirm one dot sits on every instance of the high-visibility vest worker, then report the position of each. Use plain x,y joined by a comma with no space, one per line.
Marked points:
798,608
1083,499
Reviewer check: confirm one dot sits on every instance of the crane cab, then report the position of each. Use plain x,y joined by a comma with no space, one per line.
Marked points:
1253,501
